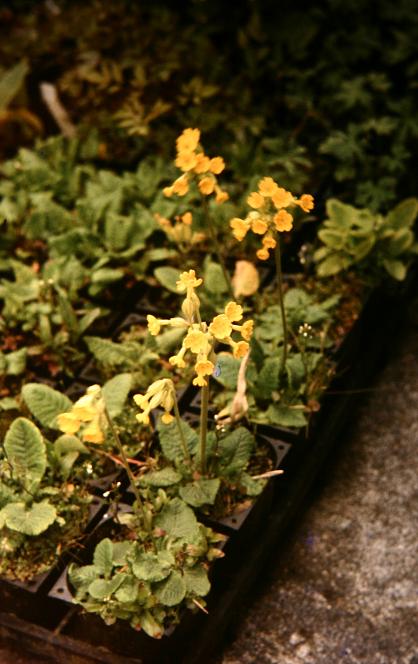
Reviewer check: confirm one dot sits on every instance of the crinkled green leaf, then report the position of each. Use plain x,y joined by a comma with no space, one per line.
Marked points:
32,520
103,557
26,453
172,591
115,392
45,403
235,450
200,492
161,478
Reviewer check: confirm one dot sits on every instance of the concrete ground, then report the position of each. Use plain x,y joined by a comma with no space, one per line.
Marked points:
345,587
345,590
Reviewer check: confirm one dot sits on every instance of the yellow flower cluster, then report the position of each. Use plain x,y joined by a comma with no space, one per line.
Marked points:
159,393
201,337
86,417
268,215
196,165
180,231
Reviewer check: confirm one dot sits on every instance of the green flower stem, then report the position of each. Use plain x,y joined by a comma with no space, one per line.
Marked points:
186,452
279,275
217,247
119,445
203,426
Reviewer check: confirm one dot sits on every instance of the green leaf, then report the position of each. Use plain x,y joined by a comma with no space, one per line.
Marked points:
45,403
102,589
403,215
103,557
332,265
115,392
170,440
88,318
152,567
15,362
67,450
32,520
161,478
400,242
178,520
196,580
227,370
10,83
172,591
395,268
268,378
168,276
109,352
200,492
80,576
26,453
285,416
341,214
235,450
295,370
149,624
213,278
128,590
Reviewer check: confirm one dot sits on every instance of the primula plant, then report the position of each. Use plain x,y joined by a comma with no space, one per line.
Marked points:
41,510
201,466
149,576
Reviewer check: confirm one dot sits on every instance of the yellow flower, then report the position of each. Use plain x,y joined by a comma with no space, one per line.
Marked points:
258,226
216,165
168,191
180,186
203,163
220,327
188,140
233,311
283,221
282,198
221,196
68,423
187,218
247,330
140,399
143,418
154,325
199,381
240,349
166,418
87,407
239,227
161,392
207,186
177,360
196,341
262,254
93,432
267,187
187,281
255,200
306,202
204,368
269,242
186,161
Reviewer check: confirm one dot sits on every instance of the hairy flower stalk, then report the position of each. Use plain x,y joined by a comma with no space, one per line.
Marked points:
202,170
268,218
199,343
